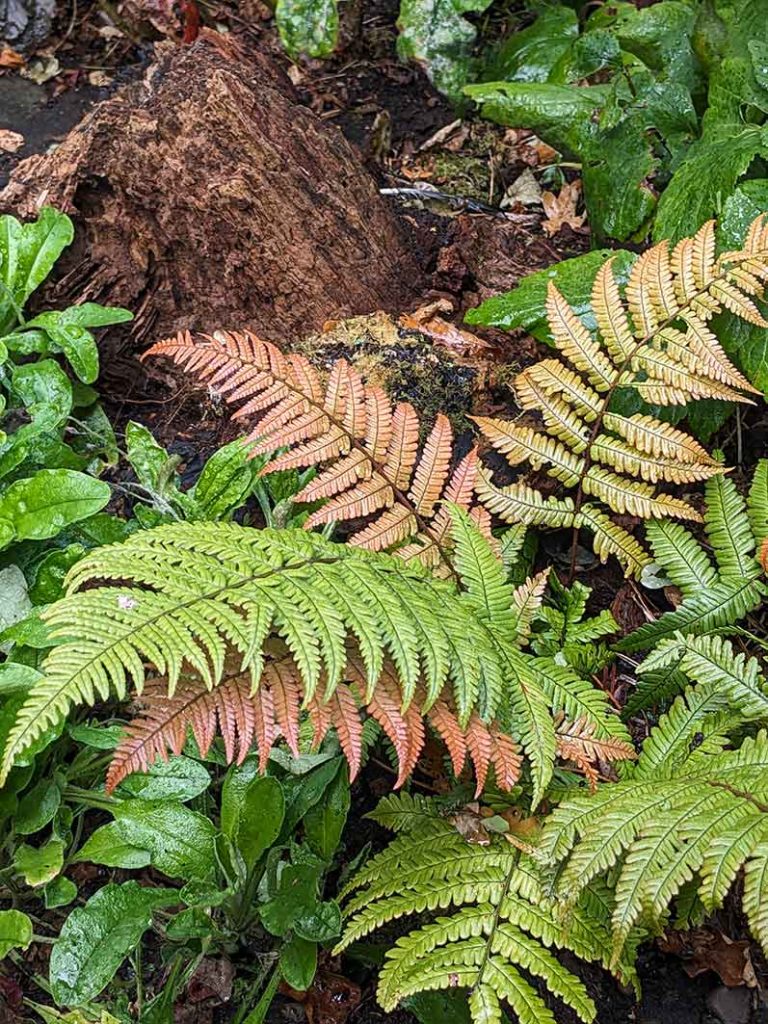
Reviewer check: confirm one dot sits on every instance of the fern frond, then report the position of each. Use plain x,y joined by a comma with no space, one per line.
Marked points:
369,450
714,596
577,742
692,811
658,342
189,596
498,929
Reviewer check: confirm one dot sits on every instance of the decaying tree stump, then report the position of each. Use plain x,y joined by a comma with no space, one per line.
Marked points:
206,196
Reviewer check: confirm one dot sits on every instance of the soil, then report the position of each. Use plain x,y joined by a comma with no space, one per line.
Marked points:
390,113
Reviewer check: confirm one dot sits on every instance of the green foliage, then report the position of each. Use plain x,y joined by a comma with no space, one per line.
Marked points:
308,27
620,97
482,917
202,594
716,595
693,806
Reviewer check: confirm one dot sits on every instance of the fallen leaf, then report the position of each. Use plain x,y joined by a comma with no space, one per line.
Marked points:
213,980
561,209
331,999
99,78
41,70
10,141
704,949
443,332
10,58
524,190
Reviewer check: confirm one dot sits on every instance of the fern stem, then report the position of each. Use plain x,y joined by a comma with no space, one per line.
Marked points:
495,922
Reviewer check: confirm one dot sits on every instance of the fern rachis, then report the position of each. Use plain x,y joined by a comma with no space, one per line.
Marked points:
618,460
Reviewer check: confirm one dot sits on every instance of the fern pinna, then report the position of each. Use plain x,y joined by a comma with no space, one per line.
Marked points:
656,341
690,813
247,626
375,470
714,596
495,926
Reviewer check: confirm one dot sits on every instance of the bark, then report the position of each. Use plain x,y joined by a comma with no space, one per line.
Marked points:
206,196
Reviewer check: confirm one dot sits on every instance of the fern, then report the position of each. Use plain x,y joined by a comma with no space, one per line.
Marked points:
714,595
490,924
691,807
373,467
246,627
656,342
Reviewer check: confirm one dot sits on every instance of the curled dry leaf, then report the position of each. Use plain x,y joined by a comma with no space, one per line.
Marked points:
561,209
9,58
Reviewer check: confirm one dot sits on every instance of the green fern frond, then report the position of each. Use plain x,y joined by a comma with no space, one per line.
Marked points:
656,341
195,594
690,811
498,930
713,596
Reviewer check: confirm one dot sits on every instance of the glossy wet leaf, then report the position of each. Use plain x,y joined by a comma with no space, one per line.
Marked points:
530,54
40,506
259,819
38,807
324,823
225,482
106,846
44,390
15,931
148,459
310,27
298,962
15,603
96,938
304,791
180,840
524,306
28,252
437,34
178,778
17,678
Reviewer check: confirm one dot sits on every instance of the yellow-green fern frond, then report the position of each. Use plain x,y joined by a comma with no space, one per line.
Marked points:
719,594
656,340
485,922
691,808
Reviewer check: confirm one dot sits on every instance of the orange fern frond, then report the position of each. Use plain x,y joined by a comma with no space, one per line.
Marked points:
371,450
576,742
245,719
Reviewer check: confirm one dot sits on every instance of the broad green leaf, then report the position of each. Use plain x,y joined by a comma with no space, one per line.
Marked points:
98,736
447,1006
27,255
72,340
15,677
191,923
181,841
15,931
236,783
178,778
95,435
44,390
91,314
260,819
38,807
319,923
324,823
151,463
308,26
304,791
39,864
436,34
9,711
298,962
96,938
41,506
530,54
296,896
106,846
59,893
51,571
225,482
524,306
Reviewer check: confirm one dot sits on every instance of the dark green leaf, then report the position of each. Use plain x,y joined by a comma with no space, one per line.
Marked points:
181,841
16,678
178,778
260,819
96,938
308,26
437,35
44,390
59,893
38,807
324,823
304,791
225,482
27,255
319,923
530,54
106,846
298,962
